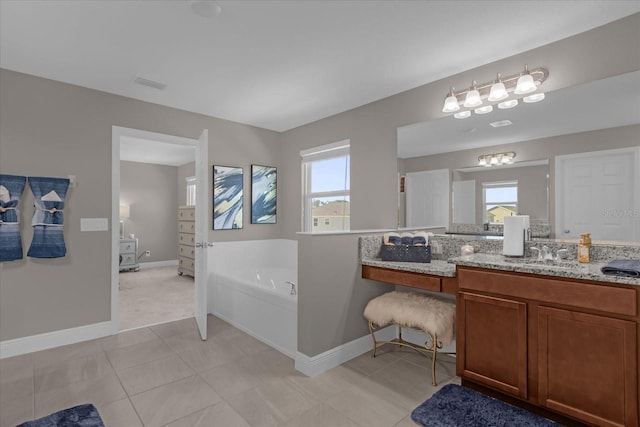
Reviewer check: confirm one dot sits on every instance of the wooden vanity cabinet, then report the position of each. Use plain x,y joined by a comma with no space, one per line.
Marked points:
564,345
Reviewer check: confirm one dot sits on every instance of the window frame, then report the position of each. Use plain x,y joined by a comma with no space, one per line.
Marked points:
497,184
324,152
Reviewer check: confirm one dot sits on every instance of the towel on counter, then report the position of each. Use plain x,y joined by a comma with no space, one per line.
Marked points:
406,238
391,239
48,218
11,187
622,267
420,238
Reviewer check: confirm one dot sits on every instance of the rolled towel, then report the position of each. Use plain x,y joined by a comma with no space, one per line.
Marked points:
391,238
406,238
421,238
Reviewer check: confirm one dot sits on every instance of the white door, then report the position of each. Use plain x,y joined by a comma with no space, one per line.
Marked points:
202,190
427,195
597,193
464,202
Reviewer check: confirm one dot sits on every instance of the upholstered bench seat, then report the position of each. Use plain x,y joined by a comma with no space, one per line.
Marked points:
434,316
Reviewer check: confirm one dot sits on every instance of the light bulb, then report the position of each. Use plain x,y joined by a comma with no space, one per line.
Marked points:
484,110
462,114
508,104
482,161
536,97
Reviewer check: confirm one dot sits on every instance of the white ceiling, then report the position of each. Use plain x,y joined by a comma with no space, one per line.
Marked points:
278,64
602,104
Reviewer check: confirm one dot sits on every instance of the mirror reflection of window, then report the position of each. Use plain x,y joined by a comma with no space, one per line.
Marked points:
500,199
191,191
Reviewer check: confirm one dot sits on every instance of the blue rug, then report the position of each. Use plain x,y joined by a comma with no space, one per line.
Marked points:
78,416
457,406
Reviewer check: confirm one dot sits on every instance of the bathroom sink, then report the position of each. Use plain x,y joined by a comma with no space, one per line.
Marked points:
558,263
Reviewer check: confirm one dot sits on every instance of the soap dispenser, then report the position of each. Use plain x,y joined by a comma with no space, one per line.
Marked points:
584,247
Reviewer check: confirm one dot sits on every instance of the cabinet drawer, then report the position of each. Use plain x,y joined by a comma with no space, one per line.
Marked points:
187,251
405,278
186,214
126,247
128,259
187,227
186,239
604,298
186,263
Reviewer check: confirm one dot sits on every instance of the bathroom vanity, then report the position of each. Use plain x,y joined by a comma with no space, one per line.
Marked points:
560,337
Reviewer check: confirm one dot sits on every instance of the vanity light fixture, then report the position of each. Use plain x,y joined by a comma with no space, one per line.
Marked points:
504,89
496,159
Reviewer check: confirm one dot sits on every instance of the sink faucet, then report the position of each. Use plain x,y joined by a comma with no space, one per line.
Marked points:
546,253
538,254
293,287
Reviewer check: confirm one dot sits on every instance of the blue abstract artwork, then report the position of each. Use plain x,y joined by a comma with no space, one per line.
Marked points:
227,198
263,194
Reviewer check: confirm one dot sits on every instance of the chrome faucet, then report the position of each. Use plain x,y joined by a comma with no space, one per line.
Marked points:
293,287
546,253
538,254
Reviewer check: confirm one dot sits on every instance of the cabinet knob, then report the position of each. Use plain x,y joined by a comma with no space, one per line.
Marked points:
567,231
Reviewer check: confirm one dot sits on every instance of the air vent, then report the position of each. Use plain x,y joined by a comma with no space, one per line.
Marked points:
150,83
501,123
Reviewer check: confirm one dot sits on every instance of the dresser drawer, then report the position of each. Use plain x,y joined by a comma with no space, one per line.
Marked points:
186,214
186,239
187,251
127,247
128,259
187,227
186,264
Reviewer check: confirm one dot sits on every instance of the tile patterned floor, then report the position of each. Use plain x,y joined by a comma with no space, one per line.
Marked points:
164,375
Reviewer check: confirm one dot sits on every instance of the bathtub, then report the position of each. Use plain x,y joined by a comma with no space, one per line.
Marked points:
247,288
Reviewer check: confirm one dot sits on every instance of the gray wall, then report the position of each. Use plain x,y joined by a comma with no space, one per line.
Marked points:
599,53
49,128
151,191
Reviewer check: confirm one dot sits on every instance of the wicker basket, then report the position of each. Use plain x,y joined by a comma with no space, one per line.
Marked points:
405,253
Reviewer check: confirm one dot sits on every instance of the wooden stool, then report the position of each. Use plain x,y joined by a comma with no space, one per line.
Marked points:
433,316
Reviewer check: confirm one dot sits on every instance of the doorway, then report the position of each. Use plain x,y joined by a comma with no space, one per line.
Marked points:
149,144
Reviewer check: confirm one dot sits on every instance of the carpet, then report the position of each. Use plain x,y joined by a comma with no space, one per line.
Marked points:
457,406
78,416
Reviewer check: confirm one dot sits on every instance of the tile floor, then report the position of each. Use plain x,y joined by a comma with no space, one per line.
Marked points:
164,375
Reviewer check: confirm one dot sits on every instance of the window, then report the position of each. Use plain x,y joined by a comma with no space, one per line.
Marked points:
500,199
326,184
191,191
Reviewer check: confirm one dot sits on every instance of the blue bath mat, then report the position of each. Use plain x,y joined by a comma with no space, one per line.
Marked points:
78,416
457,406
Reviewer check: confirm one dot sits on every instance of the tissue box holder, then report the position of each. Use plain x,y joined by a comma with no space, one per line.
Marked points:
405,253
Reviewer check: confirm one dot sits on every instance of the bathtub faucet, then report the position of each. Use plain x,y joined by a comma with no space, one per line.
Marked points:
293,287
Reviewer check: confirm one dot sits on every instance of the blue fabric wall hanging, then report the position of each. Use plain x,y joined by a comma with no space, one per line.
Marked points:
11,187
48,217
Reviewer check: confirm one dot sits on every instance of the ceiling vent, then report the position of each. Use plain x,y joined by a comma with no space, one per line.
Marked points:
150,83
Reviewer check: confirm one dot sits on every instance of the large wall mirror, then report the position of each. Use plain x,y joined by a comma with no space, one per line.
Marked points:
608,109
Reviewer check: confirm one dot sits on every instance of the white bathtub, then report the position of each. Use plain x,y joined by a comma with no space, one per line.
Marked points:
247,288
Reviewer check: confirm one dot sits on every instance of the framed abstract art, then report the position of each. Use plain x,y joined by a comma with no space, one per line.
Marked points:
263,194
227,198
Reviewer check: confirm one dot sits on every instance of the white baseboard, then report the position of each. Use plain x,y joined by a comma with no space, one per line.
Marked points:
152,264
18,346
322,362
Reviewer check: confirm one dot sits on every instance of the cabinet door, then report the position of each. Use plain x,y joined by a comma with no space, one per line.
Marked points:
587,366
492,342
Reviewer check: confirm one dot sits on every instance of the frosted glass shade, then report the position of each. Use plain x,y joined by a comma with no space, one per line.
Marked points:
525,85
472,99
124,211
498,92
450,104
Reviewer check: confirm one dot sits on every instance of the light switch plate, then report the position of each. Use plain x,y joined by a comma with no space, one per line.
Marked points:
94,224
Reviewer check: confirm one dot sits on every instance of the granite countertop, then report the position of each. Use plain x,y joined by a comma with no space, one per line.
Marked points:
590,271
435,267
